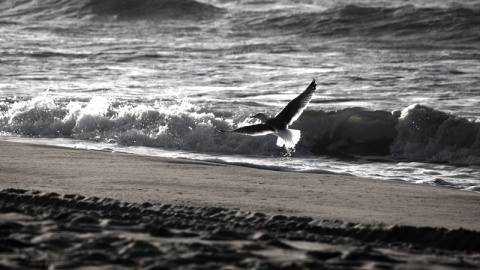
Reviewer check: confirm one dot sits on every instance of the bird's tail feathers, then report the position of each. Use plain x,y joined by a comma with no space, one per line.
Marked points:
288,138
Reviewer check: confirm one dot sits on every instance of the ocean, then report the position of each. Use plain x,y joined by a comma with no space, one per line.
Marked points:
398,95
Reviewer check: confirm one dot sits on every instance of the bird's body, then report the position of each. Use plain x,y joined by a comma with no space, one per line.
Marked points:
278,125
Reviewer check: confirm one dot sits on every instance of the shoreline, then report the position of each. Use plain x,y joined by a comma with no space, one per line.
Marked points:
138,179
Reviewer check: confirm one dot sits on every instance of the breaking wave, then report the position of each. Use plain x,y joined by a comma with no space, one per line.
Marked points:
436,136
417,133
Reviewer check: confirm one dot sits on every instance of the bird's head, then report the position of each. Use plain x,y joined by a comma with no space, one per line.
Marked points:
261,116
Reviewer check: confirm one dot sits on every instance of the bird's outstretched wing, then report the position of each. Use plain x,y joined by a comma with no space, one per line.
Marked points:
294,108
253,130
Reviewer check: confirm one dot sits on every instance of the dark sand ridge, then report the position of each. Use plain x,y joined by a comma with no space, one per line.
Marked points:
47,230
140,179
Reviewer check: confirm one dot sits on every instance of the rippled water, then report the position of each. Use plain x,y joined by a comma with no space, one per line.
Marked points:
397,96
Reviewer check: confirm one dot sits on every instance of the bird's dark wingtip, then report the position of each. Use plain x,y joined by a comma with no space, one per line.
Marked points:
313,85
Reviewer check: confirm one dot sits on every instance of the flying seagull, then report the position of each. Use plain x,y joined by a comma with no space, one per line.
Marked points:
278,125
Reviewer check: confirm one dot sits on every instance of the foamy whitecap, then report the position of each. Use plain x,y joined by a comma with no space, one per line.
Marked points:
421,133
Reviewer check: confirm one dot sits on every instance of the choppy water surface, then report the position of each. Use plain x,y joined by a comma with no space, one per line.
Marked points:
398,81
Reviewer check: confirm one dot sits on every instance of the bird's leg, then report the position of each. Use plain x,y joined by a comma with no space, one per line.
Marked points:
287,151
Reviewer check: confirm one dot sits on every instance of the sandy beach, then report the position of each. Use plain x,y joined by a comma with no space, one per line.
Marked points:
65,208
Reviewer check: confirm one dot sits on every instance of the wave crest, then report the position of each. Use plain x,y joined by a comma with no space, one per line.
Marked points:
151,9
106,9
436,136
417,133
404,22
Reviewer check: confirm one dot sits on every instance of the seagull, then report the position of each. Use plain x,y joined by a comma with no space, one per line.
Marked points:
278,125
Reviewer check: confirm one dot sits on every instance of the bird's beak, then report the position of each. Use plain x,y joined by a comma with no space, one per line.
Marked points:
252,116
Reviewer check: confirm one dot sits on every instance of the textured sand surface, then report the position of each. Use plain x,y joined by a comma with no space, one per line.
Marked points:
138,179
76,209
45,230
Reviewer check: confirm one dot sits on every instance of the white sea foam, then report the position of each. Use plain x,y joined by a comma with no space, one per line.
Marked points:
421,133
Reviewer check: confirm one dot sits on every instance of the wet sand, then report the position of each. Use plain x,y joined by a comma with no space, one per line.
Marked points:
72,208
